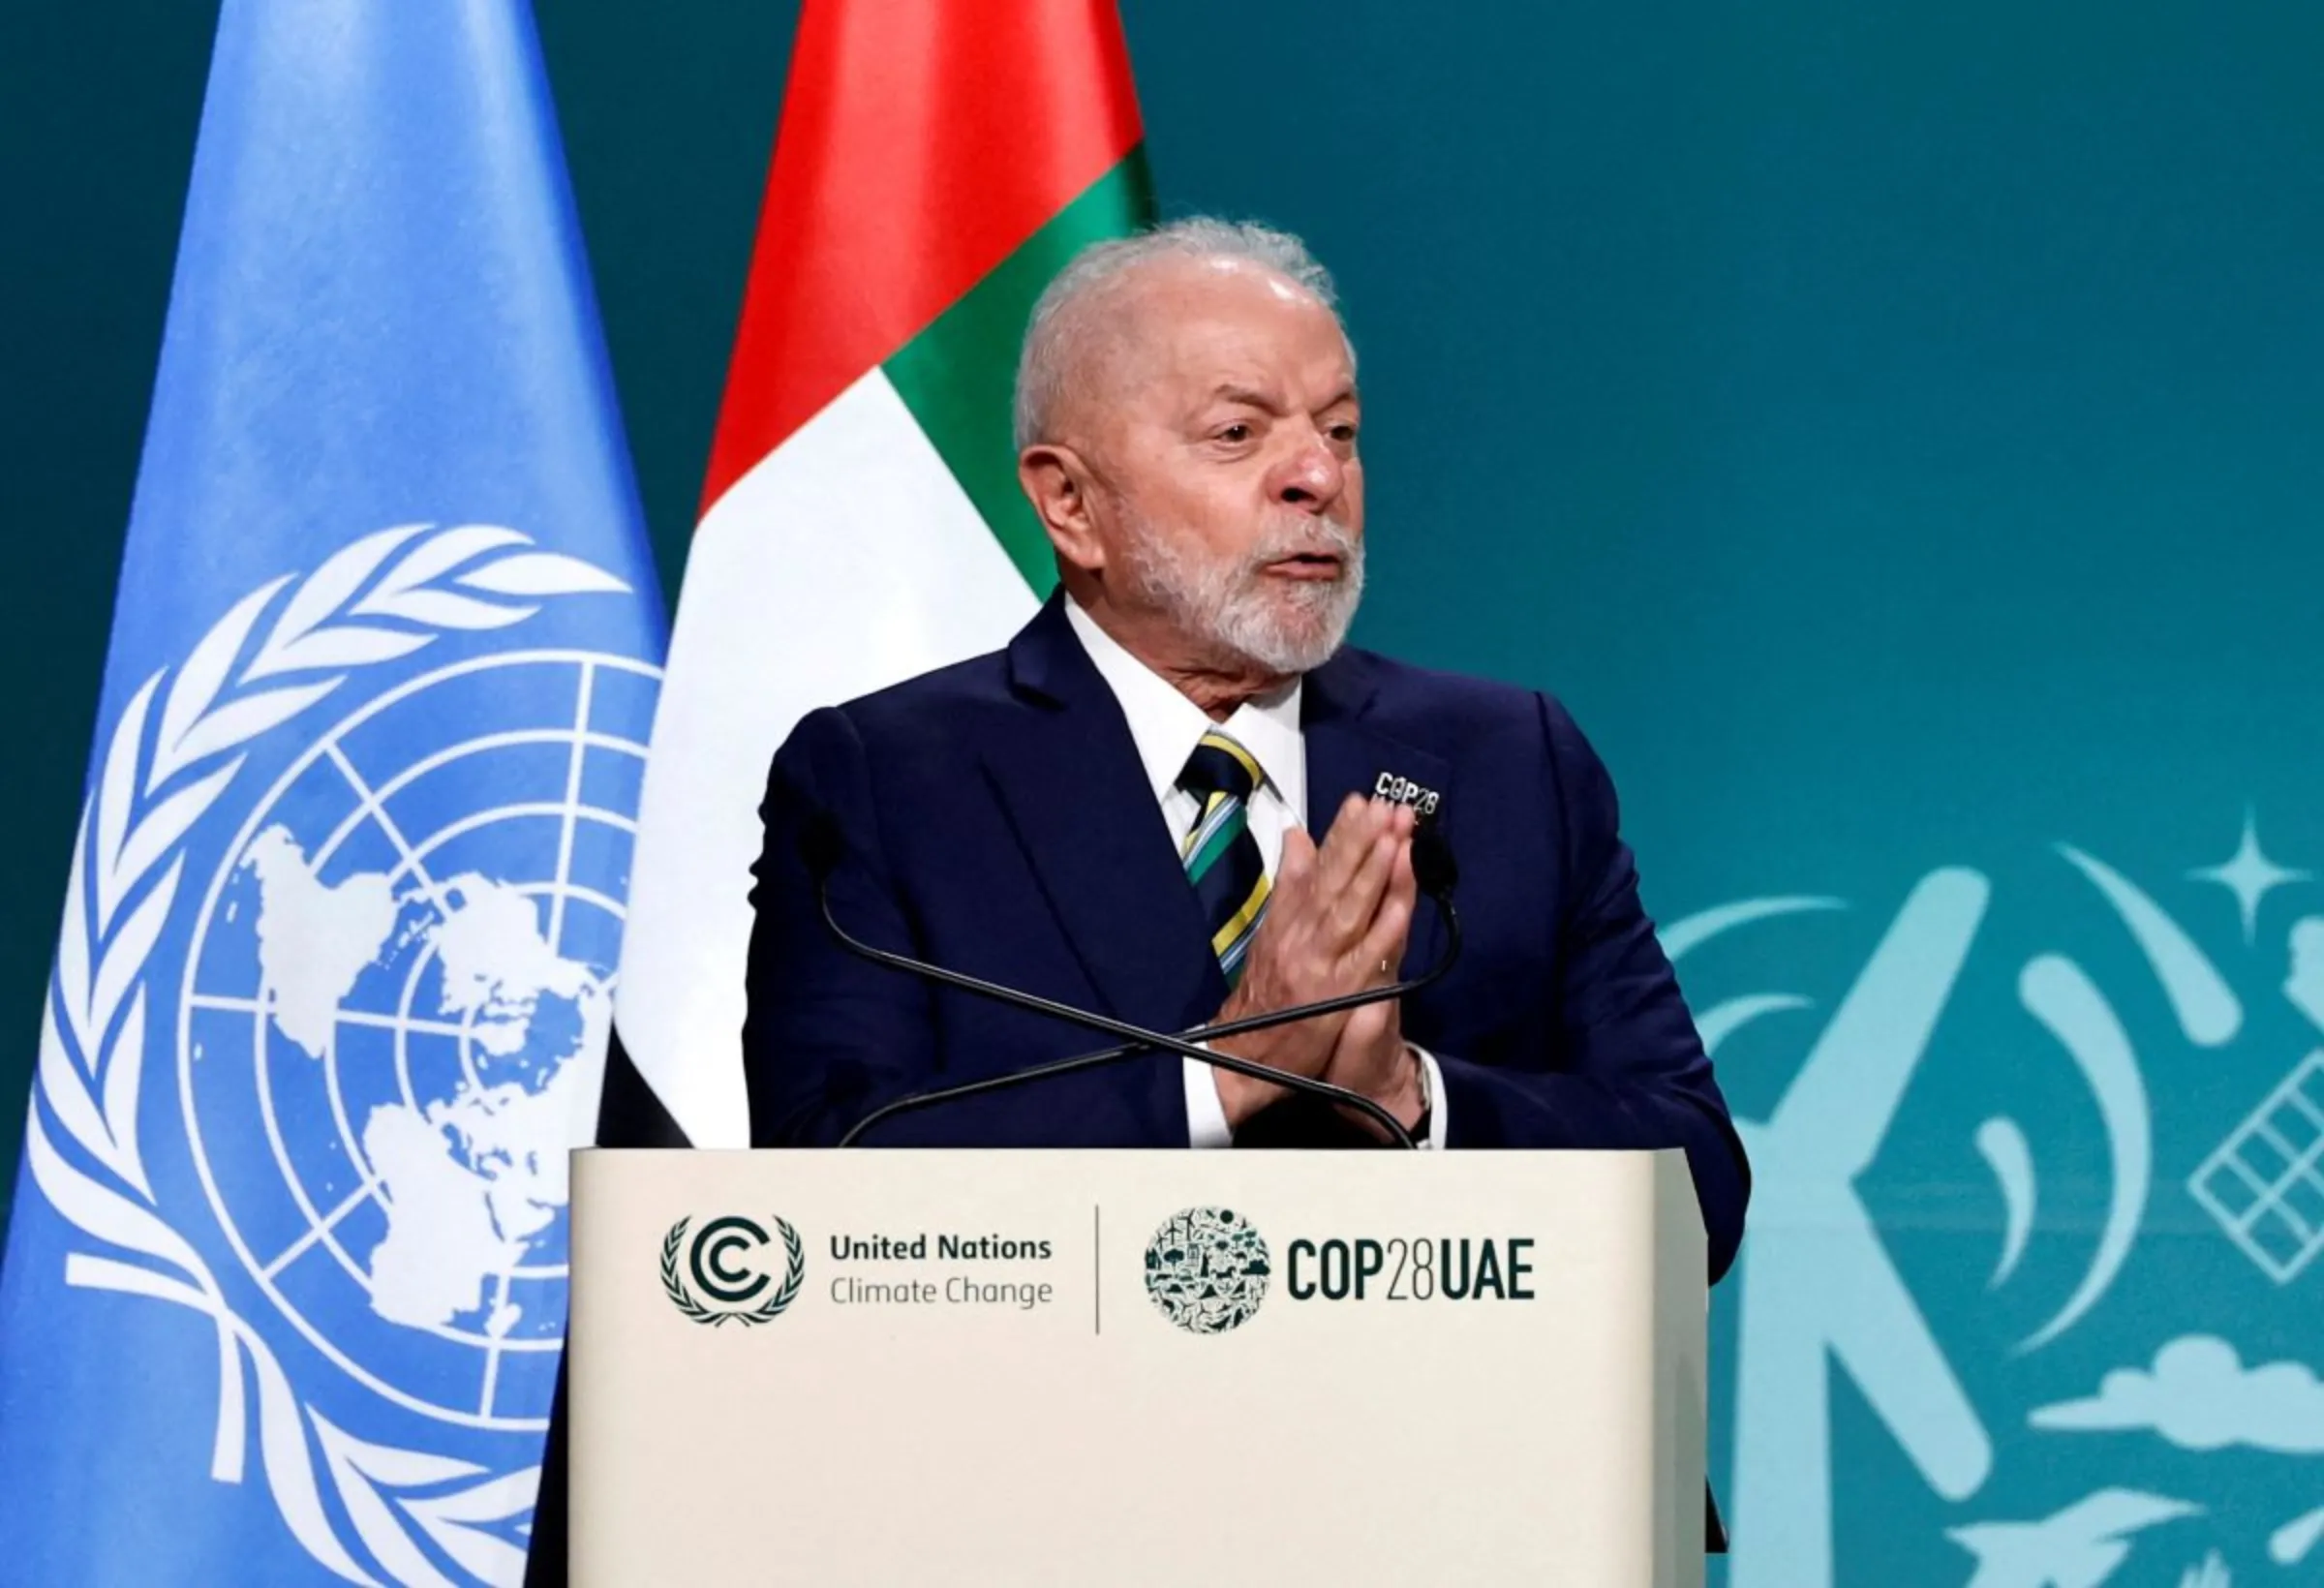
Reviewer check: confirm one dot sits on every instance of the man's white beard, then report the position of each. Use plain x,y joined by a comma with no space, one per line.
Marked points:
1228,608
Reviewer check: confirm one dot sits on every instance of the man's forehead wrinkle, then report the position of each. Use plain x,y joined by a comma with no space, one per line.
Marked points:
1245,393
1266,390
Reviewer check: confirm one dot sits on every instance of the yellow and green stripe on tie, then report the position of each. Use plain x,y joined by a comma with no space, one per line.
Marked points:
1220,855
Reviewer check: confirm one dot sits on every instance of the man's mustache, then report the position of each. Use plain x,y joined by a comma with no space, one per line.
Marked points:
1312,538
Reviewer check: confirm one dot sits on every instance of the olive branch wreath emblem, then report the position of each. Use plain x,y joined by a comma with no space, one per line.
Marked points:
175,751
674,1285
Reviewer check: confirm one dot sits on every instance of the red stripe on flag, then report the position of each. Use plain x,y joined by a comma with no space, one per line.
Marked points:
921,143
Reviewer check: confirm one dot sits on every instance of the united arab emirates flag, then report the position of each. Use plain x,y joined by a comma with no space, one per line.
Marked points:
937,160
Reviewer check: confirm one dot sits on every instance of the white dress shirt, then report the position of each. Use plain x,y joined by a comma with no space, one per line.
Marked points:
1166,727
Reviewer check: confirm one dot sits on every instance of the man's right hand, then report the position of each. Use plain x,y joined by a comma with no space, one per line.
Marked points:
1333,918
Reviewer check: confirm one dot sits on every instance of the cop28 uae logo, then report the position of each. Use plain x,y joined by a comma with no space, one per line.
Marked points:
1206,1269
723,1277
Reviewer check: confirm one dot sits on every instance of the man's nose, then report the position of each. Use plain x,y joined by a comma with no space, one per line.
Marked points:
1311,478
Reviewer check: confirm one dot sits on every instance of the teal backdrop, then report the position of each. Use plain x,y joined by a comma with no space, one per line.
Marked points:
1894,431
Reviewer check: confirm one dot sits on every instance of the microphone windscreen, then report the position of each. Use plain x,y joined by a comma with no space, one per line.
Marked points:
1433,867
821,845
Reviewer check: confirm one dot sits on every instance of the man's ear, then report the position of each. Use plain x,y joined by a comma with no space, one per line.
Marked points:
1058,483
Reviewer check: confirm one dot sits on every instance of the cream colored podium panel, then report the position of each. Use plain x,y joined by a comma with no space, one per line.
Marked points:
1113,1368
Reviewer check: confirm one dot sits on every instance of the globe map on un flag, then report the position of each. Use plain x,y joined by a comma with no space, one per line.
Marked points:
403,971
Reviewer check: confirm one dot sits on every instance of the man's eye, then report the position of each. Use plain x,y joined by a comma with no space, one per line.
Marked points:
1345,432
1235,431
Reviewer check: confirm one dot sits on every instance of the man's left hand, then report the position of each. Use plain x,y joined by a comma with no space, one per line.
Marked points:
1371,1056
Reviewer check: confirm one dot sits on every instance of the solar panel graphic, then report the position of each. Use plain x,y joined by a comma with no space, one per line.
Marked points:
2264,1184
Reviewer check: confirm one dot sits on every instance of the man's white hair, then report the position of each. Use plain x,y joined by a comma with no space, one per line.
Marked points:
1069,321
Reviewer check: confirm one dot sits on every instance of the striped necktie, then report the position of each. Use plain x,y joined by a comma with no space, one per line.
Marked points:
1221,856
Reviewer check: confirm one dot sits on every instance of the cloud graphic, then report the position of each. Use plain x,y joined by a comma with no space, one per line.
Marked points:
2201,1397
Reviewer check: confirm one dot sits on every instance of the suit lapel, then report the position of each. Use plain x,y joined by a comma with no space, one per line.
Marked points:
1067,773
1346,756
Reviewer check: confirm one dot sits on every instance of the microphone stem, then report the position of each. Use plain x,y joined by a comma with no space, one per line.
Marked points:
1142,1041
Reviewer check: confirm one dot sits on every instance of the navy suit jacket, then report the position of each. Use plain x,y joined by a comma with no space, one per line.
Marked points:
998,821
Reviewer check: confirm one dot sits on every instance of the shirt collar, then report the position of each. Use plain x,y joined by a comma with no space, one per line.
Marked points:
1167,726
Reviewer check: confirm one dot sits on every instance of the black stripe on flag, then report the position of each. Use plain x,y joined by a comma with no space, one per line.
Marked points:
629,1114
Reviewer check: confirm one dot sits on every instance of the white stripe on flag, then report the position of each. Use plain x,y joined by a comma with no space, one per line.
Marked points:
849,560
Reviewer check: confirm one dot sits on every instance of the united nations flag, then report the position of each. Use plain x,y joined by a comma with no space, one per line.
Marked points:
284,1287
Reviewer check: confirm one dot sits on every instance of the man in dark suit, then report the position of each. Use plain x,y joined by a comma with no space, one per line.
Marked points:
1115,811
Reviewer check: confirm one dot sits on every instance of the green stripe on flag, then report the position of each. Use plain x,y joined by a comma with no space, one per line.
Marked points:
959,376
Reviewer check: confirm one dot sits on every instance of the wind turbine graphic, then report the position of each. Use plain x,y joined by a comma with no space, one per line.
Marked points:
1819,1288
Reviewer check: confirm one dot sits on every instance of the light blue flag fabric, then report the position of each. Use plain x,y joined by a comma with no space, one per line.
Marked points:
285,1286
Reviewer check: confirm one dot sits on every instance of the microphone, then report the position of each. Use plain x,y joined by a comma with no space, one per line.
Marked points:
822,846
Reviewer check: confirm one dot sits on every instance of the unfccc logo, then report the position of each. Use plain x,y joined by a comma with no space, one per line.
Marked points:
726,1273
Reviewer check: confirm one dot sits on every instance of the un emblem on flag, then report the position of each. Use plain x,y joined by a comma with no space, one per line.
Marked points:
329,1009
401,973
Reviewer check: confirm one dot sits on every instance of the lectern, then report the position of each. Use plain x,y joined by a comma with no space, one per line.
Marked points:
1112,1368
